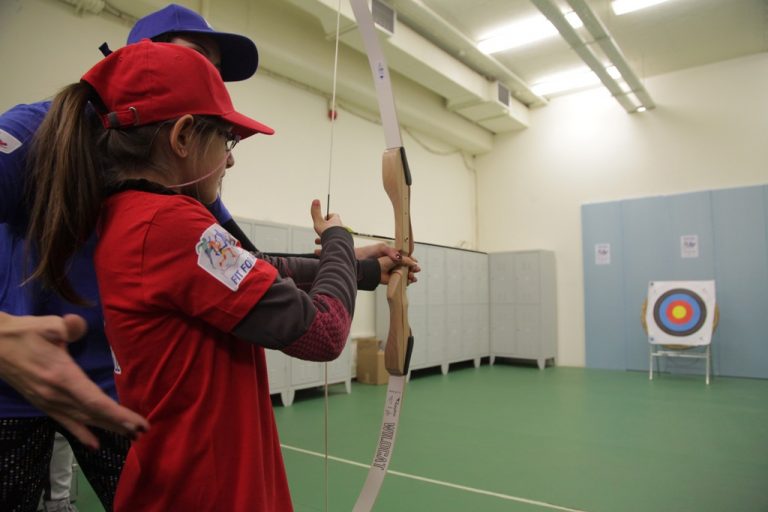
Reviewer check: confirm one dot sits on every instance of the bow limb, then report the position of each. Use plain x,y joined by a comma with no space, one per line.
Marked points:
397,181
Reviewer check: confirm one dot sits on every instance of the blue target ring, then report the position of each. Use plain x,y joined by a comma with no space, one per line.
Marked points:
679,312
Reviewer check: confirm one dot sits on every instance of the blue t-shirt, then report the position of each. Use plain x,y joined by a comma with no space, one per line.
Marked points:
17,127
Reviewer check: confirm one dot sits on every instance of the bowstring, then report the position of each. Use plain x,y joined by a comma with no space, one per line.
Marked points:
332,112
332,115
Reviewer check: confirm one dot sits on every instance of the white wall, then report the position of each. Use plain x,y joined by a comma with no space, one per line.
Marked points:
47,46
709,130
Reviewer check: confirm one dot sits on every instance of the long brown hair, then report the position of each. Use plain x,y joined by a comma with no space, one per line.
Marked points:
65,187
72,160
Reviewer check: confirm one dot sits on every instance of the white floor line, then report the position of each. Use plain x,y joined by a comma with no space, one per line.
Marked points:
438,482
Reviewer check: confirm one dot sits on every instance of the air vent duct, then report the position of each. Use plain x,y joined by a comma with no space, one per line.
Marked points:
502,94
384,16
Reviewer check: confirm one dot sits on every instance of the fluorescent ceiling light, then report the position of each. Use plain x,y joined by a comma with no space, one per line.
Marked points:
624,6
517,34
522,32
613,71
567,81
573,19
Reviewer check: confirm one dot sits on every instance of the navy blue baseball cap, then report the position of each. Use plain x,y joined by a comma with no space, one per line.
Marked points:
239,56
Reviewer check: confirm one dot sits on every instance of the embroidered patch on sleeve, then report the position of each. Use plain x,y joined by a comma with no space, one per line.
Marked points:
219,255
8,143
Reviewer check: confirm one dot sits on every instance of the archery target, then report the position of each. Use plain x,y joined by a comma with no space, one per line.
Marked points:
680,312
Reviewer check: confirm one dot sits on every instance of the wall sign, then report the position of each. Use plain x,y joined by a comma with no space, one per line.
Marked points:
602,254
689,246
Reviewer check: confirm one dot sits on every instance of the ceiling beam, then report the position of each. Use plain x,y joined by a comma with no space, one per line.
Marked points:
608,46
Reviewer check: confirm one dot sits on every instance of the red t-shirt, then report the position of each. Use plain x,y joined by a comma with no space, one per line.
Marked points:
173,285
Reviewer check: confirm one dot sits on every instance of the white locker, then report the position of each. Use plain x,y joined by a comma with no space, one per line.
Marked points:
523,309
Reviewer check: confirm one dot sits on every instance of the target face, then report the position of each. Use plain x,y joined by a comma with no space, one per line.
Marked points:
680,312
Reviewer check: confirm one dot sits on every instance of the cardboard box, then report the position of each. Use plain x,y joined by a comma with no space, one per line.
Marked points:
370,362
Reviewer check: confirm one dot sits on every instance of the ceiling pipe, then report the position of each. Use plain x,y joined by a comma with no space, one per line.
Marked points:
553,13
470,54
466,92
611,50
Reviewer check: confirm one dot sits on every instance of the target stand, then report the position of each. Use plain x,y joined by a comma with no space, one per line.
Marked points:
679,318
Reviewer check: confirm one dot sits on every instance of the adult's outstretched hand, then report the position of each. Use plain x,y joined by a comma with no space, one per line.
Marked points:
35,361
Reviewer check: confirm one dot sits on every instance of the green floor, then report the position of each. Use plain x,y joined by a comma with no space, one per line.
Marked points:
514,438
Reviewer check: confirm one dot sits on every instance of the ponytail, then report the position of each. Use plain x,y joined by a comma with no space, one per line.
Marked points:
65,187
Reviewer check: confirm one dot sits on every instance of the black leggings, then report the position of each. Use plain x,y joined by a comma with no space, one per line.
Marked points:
26,445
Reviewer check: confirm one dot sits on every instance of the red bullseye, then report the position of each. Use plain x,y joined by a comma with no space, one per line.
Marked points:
679,312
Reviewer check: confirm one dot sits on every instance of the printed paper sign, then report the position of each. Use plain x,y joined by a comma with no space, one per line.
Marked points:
602,254
689,246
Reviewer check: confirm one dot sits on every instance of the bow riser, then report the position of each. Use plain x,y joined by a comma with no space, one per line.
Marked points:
397,179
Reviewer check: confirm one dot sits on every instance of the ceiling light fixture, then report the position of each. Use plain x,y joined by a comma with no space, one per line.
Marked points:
565,81
616,74
626,6
523,32
573,19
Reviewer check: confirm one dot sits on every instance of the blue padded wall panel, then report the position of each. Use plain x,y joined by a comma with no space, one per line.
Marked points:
692,215
653,228
649,253
732,229
652,231
740,221
603,287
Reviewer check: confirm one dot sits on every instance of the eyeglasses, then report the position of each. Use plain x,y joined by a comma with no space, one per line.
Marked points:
231,139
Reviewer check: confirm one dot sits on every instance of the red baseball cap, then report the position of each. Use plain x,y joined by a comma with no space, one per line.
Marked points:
146,82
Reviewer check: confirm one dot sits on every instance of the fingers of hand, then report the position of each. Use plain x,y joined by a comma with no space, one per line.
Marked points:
53,328
79,430
94,407
317,217
121,420
386,263
316,211
334,220
71,395
75,326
